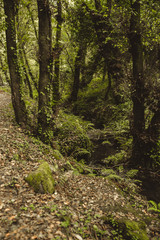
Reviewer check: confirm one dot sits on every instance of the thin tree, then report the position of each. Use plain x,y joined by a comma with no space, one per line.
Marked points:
77,71
137,84
45,64
11,10
57,53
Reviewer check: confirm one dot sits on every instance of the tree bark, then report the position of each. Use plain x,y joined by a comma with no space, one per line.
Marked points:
57,51
137,85
10,8
45,64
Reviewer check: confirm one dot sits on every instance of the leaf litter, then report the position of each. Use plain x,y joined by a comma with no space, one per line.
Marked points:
77,208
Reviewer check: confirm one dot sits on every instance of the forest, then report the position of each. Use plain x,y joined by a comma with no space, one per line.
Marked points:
84,81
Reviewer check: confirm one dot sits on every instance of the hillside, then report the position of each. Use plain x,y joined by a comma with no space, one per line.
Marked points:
83,206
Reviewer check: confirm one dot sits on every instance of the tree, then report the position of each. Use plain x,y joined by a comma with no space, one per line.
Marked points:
77,70
81,31
137,83
11,10
57,52
106,42
45,68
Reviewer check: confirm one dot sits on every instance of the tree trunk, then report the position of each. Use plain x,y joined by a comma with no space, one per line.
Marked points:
26,76
109,86
151,149
32,19
77,70
10,7
29,69
57,51
138,85
45,63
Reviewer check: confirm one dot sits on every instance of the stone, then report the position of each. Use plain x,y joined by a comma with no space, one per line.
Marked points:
41,179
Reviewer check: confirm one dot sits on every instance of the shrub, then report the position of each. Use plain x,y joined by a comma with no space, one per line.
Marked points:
71,135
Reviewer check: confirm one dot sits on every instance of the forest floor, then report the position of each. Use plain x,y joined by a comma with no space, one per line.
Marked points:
82,207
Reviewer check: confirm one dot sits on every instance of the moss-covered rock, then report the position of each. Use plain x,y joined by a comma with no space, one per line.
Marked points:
134,230
41,179
129,230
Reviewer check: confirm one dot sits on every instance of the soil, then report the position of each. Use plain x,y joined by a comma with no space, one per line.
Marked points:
76,209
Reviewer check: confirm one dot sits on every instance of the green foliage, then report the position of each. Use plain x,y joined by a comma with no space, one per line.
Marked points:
151,16
91,105
71,135
76,167
5,89
57,154
115,177
155,156
82,153
127,229
132,173
50,208
154,207
80,23
111,174
116,158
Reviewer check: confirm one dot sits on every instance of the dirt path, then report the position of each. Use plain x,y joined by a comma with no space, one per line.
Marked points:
74,211
5,99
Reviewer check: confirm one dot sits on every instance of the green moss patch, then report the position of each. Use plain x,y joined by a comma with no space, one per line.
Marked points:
41,179
57,155
129,230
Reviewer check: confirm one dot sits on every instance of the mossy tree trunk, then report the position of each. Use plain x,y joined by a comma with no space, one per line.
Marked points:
137,85
11,10
45,68
57,53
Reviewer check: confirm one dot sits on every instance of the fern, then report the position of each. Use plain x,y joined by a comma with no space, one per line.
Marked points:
132,173
115,177
154,206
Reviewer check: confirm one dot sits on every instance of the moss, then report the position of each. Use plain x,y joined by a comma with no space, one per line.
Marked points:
57,155
41,179
130,230
134,230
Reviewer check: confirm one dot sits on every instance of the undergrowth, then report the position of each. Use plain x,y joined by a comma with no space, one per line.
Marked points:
71,136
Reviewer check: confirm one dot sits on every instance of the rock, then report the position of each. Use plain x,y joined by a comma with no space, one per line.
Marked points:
41,179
